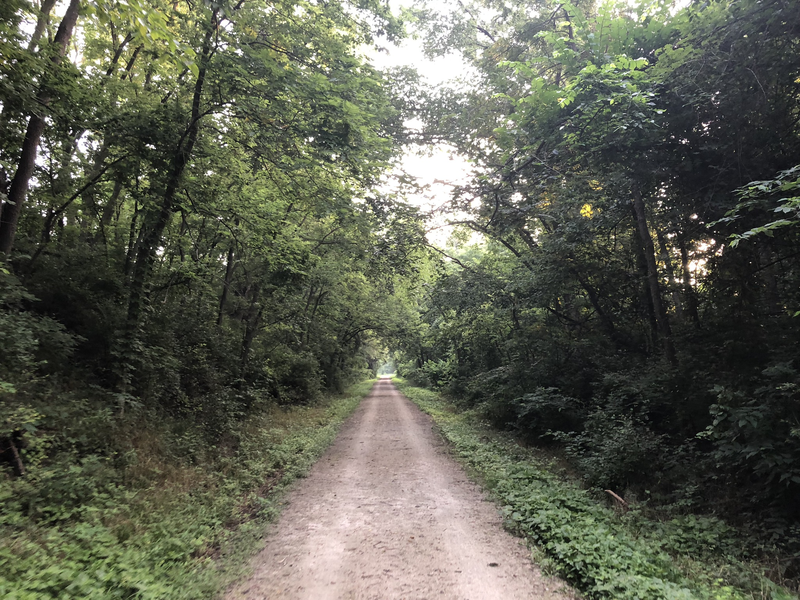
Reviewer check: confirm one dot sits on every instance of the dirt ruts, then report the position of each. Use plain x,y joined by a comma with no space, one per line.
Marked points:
387,514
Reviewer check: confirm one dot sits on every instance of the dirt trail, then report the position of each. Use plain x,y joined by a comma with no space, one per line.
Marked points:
386,514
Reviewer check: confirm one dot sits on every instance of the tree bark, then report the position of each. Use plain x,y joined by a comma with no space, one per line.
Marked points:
310,320
673,282
252,320
645,292
41,24
771,296
117,55
652,277
11,209
620,340
110,207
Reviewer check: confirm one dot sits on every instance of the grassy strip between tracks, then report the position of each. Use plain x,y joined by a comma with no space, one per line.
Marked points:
159,528
602,552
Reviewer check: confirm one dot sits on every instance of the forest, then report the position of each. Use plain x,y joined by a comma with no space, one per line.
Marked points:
201,256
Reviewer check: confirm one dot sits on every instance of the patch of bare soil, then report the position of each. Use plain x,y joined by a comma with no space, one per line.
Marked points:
387,514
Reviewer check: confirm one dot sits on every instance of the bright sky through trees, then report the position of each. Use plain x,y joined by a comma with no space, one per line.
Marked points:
438,167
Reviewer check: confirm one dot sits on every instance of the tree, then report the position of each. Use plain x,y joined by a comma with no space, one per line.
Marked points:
18,189
610,142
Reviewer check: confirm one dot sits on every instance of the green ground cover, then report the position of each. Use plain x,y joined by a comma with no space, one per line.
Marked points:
153,526
603,551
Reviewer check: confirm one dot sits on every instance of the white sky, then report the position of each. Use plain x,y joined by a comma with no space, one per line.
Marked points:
438,167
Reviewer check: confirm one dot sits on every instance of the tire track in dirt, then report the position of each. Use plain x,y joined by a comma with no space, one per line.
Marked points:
387,514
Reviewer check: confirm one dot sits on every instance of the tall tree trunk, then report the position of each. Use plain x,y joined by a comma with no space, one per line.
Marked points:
252,321
110,207
652,277
768,268
645,293
9,216
155,223
310,320
620,339
133,239
673,282
41,24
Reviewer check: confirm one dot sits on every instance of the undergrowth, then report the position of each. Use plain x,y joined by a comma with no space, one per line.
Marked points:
605,553
148,525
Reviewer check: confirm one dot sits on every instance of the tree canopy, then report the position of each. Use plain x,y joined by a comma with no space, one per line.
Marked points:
194,227
634,299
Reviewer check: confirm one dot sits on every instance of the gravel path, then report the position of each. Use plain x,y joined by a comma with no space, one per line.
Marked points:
387,514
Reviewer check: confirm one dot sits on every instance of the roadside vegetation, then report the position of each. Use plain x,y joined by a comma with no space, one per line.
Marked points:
198,245
157,514
625,289
604,548
188,277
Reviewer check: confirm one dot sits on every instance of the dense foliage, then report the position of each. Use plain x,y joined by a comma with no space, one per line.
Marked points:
194,239
192,248
204,225
147,524
619,552
634,301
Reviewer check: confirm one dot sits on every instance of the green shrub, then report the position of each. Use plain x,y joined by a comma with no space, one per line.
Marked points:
758,436
439,373
29,341
615,451
140,520
604,553
544,411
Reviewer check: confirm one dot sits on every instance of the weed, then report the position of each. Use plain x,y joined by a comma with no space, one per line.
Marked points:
150,524
601,552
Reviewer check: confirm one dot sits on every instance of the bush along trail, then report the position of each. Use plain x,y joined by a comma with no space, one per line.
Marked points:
605,552
158,525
